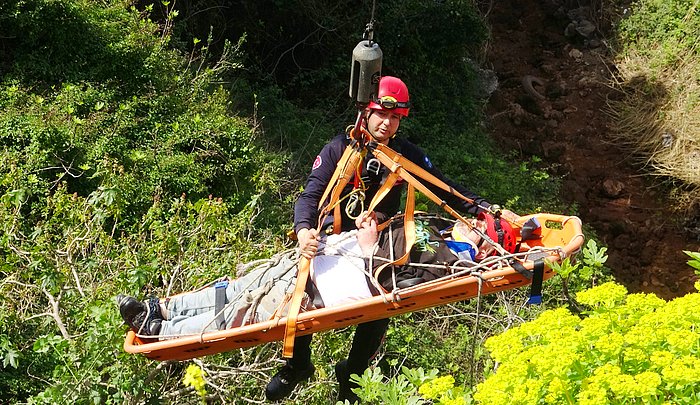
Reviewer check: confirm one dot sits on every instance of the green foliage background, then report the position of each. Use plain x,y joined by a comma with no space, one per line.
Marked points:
148,148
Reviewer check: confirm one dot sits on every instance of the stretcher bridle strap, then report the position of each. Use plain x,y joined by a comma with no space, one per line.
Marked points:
418,171
536,275
399,166
294,307
344,171
409,227
405,169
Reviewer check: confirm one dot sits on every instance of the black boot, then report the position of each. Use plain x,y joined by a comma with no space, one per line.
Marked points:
342,374
283,383
143,317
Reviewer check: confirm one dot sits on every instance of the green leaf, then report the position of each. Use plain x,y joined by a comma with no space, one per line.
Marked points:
695,260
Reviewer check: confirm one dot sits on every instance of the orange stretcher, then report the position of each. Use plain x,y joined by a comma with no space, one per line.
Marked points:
561,237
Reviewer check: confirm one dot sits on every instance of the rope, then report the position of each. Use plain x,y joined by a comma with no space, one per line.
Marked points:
480,281
369,29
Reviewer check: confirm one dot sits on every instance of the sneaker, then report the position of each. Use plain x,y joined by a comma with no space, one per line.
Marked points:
143,317
342,374
283,383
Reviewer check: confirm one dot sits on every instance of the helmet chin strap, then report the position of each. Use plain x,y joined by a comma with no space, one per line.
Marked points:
369,130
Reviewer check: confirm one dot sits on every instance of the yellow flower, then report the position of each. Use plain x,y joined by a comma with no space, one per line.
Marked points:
647,383
683,371
593,394
605,295
610,345
661,358
556,389
682,341
194,377
635,355
434,389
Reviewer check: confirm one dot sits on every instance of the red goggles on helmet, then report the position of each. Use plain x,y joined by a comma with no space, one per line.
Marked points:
390,103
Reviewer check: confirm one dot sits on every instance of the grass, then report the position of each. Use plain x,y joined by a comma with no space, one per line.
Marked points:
657,116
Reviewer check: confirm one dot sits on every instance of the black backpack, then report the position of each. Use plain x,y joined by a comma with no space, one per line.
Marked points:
428,248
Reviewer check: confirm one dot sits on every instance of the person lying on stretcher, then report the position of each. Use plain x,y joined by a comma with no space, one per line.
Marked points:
338,275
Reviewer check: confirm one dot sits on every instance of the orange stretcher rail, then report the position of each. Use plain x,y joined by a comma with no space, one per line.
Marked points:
563,234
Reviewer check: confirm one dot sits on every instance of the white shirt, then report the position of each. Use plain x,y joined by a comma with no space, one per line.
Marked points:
338,270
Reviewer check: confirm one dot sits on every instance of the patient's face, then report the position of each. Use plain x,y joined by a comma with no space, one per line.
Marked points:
464,232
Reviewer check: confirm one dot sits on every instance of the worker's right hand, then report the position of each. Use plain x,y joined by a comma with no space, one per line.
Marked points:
308,242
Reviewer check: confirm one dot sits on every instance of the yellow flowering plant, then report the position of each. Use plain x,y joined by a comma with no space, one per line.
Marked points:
194,377
626,348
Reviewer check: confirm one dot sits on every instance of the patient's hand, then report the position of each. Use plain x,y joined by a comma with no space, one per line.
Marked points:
367,236
364,216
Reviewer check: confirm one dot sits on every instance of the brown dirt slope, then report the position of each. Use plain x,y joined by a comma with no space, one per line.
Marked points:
553,69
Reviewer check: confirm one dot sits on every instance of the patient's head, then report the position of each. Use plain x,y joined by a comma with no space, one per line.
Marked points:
498,230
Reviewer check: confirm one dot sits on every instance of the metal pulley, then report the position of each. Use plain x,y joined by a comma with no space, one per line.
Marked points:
366,71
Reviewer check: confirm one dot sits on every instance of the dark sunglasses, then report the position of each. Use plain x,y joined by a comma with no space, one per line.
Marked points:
390,103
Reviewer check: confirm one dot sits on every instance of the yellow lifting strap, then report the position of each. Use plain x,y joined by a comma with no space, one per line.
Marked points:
403,168
409,231
343,173
294,307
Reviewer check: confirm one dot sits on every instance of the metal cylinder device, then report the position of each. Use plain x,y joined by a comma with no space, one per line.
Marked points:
366,71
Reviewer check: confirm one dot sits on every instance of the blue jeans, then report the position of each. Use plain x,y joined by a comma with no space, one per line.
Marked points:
251,298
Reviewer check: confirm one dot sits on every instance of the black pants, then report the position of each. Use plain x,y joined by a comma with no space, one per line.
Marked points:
365,344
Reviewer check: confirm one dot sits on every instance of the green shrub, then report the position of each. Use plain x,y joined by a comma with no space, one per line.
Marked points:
86,121
657,72
662,29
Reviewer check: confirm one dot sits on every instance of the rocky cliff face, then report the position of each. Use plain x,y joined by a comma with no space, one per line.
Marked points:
554,70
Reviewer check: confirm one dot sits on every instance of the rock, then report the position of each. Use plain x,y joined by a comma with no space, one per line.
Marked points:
555,90
550,113
593,43
579,14
553,151
613,188
655,281
529,104
570,30
584,82
576,54
586,29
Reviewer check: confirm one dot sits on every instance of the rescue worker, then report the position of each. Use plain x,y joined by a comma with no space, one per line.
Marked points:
382,117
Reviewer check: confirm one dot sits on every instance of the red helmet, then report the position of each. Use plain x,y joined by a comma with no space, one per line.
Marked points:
499,231
392,96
